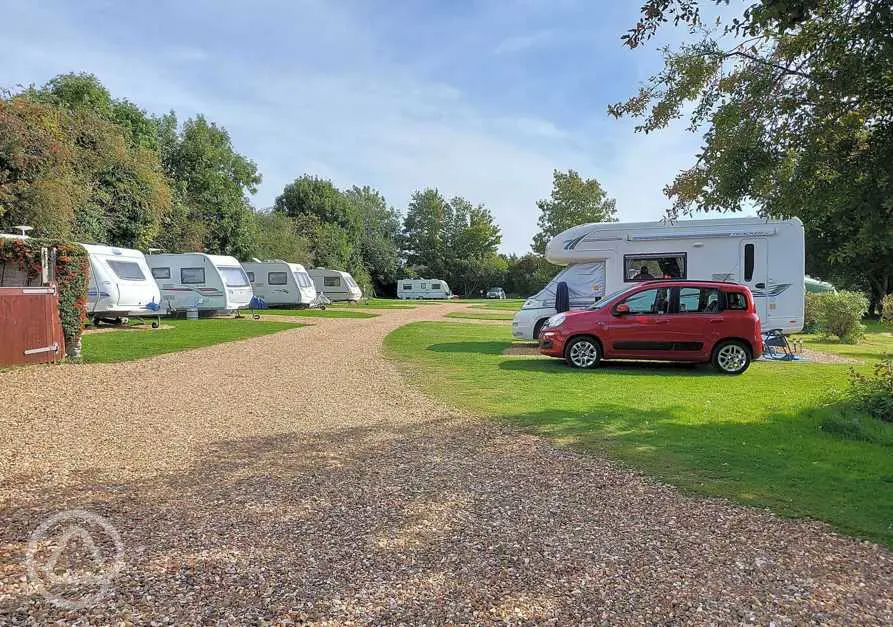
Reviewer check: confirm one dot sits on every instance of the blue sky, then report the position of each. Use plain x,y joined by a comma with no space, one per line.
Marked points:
477,98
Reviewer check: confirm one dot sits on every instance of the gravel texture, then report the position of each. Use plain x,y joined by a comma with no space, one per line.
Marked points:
295,477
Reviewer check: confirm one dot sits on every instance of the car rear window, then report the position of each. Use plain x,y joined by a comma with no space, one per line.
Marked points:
736,300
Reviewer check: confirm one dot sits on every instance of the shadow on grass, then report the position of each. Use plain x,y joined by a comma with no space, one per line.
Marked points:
484,348
553,365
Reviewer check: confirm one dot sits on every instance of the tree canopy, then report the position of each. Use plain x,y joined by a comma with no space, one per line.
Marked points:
574,200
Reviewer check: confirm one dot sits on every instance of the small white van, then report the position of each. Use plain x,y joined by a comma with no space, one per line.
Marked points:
280,283
418,289
200,281
335,285
120,284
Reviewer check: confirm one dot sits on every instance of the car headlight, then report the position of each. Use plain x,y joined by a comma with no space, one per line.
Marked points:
556,321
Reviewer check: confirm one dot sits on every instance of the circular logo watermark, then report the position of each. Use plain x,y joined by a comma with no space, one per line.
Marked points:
72,558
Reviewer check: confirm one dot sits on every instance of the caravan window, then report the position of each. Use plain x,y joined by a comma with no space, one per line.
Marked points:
331,281
435,286
251,277
748,262
647,267
127,270
192,276
277,278
407,286
161,273
233,276
350,282
303,279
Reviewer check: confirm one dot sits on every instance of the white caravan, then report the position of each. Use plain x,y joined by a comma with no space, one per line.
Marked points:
417,289
335,284
200,281
280,282
120,284
768,256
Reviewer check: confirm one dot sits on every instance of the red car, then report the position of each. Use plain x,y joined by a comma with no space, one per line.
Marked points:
668,320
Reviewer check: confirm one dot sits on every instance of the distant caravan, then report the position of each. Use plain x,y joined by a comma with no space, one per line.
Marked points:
197,281
280,283
335,285
120,284
767,256
418,289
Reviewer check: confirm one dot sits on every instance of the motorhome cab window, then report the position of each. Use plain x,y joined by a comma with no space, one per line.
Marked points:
277,278
647,267
331,281
192,276
698,300
161,273
303,279
233,277
127,270
251,277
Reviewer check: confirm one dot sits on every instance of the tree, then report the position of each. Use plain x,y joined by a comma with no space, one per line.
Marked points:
425,231
379,244
318,197
528,274
794,101
277,237
573,201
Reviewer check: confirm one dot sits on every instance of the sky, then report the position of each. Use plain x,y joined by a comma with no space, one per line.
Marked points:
478,98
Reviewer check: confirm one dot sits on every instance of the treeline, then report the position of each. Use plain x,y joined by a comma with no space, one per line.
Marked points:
78,164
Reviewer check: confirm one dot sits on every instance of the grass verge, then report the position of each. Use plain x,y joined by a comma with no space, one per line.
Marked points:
129,344
768,438
481,315
317,313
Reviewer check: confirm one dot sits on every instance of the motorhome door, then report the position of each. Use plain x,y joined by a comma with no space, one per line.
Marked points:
755,273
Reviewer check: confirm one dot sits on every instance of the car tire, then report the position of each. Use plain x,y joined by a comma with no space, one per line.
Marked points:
731,357
538,328
583,352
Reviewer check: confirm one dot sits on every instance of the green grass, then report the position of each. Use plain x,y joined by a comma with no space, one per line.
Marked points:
130,344
767,438
317,313
878,341
376,303
482,315
509,304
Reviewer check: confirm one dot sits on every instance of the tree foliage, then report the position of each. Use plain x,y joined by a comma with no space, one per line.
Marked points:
574,200
794,100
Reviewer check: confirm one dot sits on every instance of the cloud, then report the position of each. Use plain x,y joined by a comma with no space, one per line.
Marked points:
521,43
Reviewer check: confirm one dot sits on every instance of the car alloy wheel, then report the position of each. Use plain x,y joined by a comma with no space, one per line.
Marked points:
732,358
583,353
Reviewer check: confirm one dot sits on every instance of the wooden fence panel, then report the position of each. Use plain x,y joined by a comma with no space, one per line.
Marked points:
30,330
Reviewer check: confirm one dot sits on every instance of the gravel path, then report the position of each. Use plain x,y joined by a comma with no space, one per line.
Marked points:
295,477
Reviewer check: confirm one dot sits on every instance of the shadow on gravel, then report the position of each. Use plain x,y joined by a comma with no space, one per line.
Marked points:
440,521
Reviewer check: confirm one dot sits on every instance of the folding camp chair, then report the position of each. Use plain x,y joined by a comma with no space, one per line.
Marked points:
776,346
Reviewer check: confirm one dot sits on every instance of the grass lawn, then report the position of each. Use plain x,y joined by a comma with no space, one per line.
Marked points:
768,438
878,341
127,345
376,303
492,314
317,313
509,304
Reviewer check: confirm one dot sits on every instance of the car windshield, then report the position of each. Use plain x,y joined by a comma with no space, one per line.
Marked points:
233,277
604,300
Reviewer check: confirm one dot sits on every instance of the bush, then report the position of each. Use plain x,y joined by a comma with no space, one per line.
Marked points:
887,309
811,312
840,314
873,393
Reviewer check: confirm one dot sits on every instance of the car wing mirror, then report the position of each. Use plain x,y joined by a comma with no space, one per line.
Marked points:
621,309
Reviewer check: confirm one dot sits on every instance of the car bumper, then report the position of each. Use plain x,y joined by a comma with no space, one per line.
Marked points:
552,343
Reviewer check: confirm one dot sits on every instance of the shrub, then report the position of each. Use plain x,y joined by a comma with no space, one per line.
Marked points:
873,393
811,312
840,314
887,309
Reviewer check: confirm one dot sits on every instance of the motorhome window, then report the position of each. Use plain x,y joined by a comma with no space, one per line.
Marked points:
161,273
192,276
251,277
127,270
407,286
303,279
736,300
649,302
331,281
233,277
435,286
277,278
698,300
647,267
748,262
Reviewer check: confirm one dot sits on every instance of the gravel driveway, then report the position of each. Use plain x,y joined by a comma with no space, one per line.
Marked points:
295,477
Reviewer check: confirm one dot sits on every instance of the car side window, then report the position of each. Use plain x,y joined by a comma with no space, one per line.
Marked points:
736,301
699,300
654,301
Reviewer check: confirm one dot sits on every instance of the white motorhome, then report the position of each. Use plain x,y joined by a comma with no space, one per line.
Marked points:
200,281
280,283
335,284
418,289
120,284
768,256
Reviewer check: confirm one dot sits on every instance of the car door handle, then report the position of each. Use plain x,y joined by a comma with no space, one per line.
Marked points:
659,321
715,320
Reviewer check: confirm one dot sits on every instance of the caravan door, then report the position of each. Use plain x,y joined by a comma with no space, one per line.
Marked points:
755,273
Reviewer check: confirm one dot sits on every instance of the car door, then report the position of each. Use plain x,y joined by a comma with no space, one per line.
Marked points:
695,322
642,332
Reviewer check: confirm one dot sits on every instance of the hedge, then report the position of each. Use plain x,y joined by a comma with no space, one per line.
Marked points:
72,277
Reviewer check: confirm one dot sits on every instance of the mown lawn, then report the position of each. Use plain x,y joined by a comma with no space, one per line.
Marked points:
772,437
376,303
878,342
317,313
130,344
492,314
509,304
